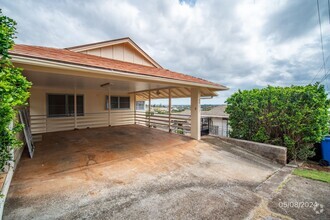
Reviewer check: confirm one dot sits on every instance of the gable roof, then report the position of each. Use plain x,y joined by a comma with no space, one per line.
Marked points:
80,59
101,44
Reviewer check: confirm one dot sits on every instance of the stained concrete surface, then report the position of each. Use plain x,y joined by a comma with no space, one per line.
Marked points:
133,172
302,198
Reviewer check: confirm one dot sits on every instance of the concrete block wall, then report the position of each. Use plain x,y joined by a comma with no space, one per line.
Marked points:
272,152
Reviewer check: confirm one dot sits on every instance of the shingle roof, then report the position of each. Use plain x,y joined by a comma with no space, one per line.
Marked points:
218,111
67,56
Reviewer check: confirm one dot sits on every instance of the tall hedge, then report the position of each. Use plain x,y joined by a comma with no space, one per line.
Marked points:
13,91
295,117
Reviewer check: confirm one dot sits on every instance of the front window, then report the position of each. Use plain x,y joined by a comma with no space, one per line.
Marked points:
118,102
62,105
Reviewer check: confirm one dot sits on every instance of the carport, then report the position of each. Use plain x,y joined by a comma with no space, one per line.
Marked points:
133,171
73,90
70,151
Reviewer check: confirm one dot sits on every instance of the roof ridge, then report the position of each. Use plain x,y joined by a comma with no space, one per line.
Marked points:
99,42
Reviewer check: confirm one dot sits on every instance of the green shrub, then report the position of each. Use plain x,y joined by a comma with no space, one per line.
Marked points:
149,113
13,91
179,131
295,117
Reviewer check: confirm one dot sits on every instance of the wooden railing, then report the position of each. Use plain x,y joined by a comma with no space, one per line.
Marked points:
43,124
177,123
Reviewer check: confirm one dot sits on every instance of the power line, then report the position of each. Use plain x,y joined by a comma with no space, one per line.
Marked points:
329,9
325,76
319,70
320,25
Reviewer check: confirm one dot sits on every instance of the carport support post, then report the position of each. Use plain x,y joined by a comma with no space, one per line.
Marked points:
109,106
134,100
149,110
75,107
169,109
195,108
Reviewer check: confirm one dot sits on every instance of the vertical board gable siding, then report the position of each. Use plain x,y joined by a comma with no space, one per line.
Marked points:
122,52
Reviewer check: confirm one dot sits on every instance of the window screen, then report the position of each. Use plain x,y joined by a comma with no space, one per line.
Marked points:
56,105
114,102
70,105
80,105
124,102
63,105
118,102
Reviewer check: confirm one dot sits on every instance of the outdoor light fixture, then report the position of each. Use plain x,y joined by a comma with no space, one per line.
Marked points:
107,84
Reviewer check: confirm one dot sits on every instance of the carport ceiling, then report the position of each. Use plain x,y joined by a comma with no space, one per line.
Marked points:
176,92
52,80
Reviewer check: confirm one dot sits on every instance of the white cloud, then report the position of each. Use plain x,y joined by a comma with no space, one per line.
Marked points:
241,44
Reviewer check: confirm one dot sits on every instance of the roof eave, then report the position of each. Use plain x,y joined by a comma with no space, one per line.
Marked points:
27,60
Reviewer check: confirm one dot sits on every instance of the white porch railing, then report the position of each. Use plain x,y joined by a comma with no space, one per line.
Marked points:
43,124
176,123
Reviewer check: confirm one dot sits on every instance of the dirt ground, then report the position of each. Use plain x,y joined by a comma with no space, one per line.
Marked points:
132,172
311,165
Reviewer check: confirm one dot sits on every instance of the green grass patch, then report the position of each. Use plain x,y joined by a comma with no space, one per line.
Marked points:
313,174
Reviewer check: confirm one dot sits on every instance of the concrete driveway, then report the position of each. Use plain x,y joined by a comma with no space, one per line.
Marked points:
166,177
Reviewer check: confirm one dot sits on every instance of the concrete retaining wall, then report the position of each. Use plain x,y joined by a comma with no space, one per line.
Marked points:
272,152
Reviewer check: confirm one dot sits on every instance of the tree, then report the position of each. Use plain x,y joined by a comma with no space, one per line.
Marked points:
295,117
13,92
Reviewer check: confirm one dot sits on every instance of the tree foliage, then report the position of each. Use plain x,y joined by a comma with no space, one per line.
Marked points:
295,117
13,92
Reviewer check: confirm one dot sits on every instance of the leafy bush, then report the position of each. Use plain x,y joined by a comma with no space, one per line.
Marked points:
295,117
13,92
179,131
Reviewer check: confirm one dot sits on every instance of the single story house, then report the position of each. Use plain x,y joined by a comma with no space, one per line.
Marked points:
217,120
102,84
213,121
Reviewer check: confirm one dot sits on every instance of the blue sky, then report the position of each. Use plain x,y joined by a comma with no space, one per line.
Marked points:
241,44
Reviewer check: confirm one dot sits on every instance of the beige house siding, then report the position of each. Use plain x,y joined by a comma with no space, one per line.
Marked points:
95,114
222,124
124,52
